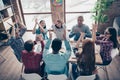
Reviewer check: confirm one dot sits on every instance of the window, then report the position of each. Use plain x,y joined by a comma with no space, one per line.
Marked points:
30,20
75,8
36,6
71,19
79,5
39,9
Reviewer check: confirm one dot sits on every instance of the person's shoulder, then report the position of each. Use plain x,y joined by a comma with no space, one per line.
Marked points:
75,26
53,26
85,25
37,54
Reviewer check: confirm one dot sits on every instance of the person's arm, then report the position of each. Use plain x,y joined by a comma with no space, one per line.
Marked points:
80,40
87,32
47,46
67,45
72,33
34,29
22,31
97,39
42,42
68,49
42,29
53,27
11,38
94,27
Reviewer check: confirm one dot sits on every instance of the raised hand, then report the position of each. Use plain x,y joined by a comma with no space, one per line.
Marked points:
17,19
50,35
94,30
36,21
82,34
95,26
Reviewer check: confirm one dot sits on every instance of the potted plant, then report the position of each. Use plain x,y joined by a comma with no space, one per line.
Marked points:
101,18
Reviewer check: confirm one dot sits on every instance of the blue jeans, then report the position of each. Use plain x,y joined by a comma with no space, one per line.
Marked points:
74,71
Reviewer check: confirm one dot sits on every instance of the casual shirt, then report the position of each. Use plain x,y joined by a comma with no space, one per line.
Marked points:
105,48
56,63
32,60
59,31
77,29
44,34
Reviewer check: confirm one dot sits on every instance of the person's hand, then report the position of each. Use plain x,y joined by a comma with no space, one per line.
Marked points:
50,35
64,35
36,21
95,26
82,34
17,20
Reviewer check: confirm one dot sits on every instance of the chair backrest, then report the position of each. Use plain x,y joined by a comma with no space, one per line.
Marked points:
57,77
31,76
114,52
90,77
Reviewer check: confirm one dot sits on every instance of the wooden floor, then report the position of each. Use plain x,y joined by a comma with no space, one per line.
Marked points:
10,68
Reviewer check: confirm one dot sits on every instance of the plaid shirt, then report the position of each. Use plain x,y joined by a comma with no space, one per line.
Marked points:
32,60
105,48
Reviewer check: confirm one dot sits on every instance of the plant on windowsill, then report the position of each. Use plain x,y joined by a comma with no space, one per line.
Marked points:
101,18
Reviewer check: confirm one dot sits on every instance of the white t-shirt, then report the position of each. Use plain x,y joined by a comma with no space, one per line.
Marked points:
59,31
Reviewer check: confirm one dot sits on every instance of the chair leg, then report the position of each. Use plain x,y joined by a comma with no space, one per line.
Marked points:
104,68
106,72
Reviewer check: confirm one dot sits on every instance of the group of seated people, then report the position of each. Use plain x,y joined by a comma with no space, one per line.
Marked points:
56,62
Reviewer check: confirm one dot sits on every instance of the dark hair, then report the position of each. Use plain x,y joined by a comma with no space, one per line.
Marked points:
80,17
29,45
41,22
113,36
60,21
87,57
56,44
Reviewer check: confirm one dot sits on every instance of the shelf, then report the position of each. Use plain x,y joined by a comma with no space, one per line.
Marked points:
5,7
6,18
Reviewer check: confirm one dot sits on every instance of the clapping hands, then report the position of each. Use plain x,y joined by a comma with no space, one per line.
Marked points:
36,21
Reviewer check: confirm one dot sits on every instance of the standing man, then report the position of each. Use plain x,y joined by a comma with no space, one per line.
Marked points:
80,28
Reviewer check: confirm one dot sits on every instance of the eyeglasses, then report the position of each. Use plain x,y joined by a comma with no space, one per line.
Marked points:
107,33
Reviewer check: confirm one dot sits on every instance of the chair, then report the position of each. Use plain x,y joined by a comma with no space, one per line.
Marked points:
90,77
114,53
57,77
31,76
103,67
